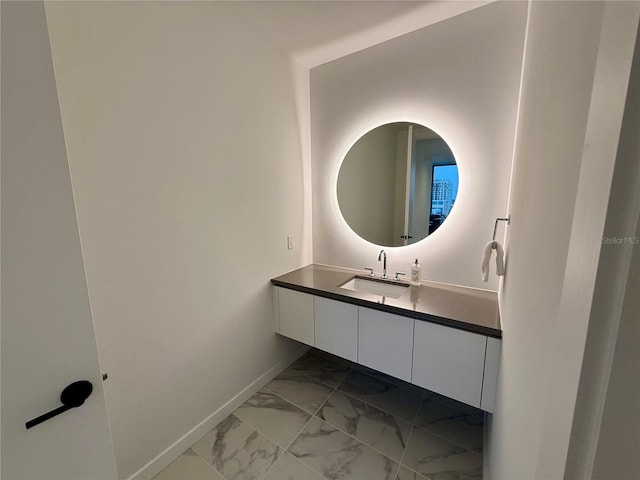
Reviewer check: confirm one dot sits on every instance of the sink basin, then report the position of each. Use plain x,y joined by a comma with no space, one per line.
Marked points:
373,286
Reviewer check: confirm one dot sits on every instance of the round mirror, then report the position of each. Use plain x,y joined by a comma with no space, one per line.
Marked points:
397,184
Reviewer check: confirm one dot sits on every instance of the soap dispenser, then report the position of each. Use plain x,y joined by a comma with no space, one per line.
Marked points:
416,273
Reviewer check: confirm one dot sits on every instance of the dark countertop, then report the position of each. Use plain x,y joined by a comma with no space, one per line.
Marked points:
465,308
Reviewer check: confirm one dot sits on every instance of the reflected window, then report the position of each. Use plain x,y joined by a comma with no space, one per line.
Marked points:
444,189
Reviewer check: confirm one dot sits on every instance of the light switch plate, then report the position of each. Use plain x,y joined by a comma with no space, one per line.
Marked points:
290,242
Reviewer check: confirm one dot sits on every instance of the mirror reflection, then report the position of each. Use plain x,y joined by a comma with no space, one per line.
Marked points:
397,184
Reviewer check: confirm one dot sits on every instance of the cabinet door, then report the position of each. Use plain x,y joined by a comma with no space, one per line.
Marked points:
296,315
449,361
336,328
385,342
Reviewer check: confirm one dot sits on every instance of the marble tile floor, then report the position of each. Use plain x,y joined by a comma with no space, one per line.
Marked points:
324,418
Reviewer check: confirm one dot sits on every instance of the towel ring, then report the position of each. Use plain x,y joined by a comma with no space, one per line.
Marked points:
495,226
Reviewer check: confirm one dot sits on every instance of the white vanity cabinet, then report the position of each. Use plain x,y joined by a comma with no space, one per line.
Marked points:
294,315
336,328
385,342
456,363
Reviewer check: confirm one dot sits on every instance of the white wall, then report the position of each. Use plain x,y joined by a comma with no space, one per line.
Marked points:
605,436
575,76
459,77
616,455
184,153
618,445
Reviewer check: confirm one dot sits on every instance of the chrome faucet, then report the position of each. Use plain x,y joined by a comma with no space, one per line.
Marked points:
383,256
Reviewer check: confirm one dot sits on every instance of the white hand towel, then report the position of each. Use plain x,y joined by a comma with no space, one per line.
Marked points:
499,259
486,258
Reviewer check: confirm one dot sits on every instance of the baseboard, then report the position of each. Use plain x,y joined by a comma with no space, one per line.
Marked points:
156,465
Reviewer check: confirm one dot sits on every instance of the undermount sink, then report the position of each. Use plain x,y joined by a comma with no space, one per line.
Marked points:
385,288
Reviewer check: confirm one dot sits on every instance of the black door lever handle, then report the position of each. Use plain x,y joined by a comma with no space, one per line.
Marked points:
72,396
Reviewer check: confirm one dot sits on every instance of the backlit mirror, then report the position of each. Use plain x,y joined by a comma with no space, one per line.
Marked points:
397,184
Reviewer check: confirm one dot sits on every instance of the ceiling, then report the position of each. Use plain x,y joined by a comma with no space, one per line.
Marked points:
317,31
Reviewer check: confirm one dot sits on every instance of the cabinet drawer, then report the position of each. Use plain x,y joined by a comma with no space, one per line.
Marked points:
449,361
296,315
385,342
336,328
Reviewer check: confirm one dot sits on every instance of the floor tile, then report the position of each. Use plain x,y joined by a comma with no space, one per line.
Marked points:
299,390
289,467
388,397
360,431
237,451
338,456
189,466
273,416
374,427
462,424
438,459
321,366
405,474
